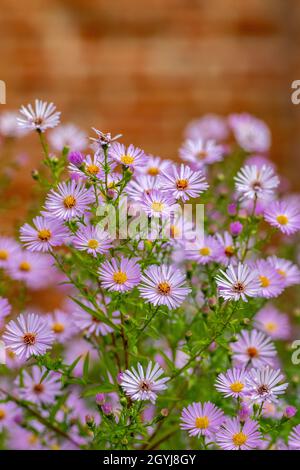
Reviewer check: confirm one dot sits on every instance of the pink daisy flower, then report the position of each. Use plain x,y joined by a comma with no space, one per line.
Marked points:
201,419
120,275
228,254
61,324
45,234
92,239
252,182
35,269
238,282
235,435
294,438
68,201
289,272
271,284
272,322
251,133
201,152
253,348
143,385
158,204
38,387
28,336
284,215
209,126
264,385
8,412
182,183
91,167
232,383
205,251
154,166
8,248
43,116
68,135
164,285
131,156
23,439
84,321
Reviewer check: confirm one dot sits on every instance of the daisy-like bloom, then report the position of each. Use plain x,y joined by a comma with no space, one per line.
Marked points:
228,255
91,166
232,383
9,126
131,156
158,204
8,412
84,321
264,385
238,282
140,185
37,389
289,272
120,275
205,251
8,248
273,323
200,152
294,438
235,435
253,182
201,419
44,235
270,281
28,335
92,239
284,215
43,116
164,285
154,166
182,183
104,139
210,126
253,348
61,323
251,133
68,201
143,385
68,135
35,269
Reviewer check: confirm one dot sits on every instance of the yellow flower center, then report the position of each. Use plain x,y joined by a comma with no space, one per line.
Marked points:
32,439
2,414
157,206
229,250
93,244
202,423
181,185
164,288
69,202
174,231
119,277
264,281
239,439
237,387
127,159
252,352
271,327
282,219
29,339
3,255
153,171
24,266
58,327
93,169
205,251
55,447
281,272
44,235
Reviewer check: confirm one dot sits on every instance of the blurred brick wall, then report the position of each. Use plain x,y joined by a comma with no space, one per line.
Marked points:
144,68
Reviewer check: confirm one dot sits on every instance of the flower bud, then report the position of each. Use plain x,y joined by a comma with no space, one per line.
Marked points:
235,228
35,174
89,420
76,158
100,398
290,412
164,412
107,408
244,413
232,209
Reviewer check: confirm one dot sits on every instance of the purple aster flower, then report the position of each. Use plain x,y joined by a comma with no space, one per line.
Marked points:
253,182
209,126
35,269
91,167
271,284
200,152
182,183
23,439
8,248
131,156
253,348
38,387
68,201
28,335
158,204
294,438
235,435
143,385
68,135
140,186
264,385
201,419
45,234
154,166
39,118
84,321
228,253
120,275
237,283
164,285
251,133
205,251
284,215
61,323
272,322
92,239
289,272
8,412
232,383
